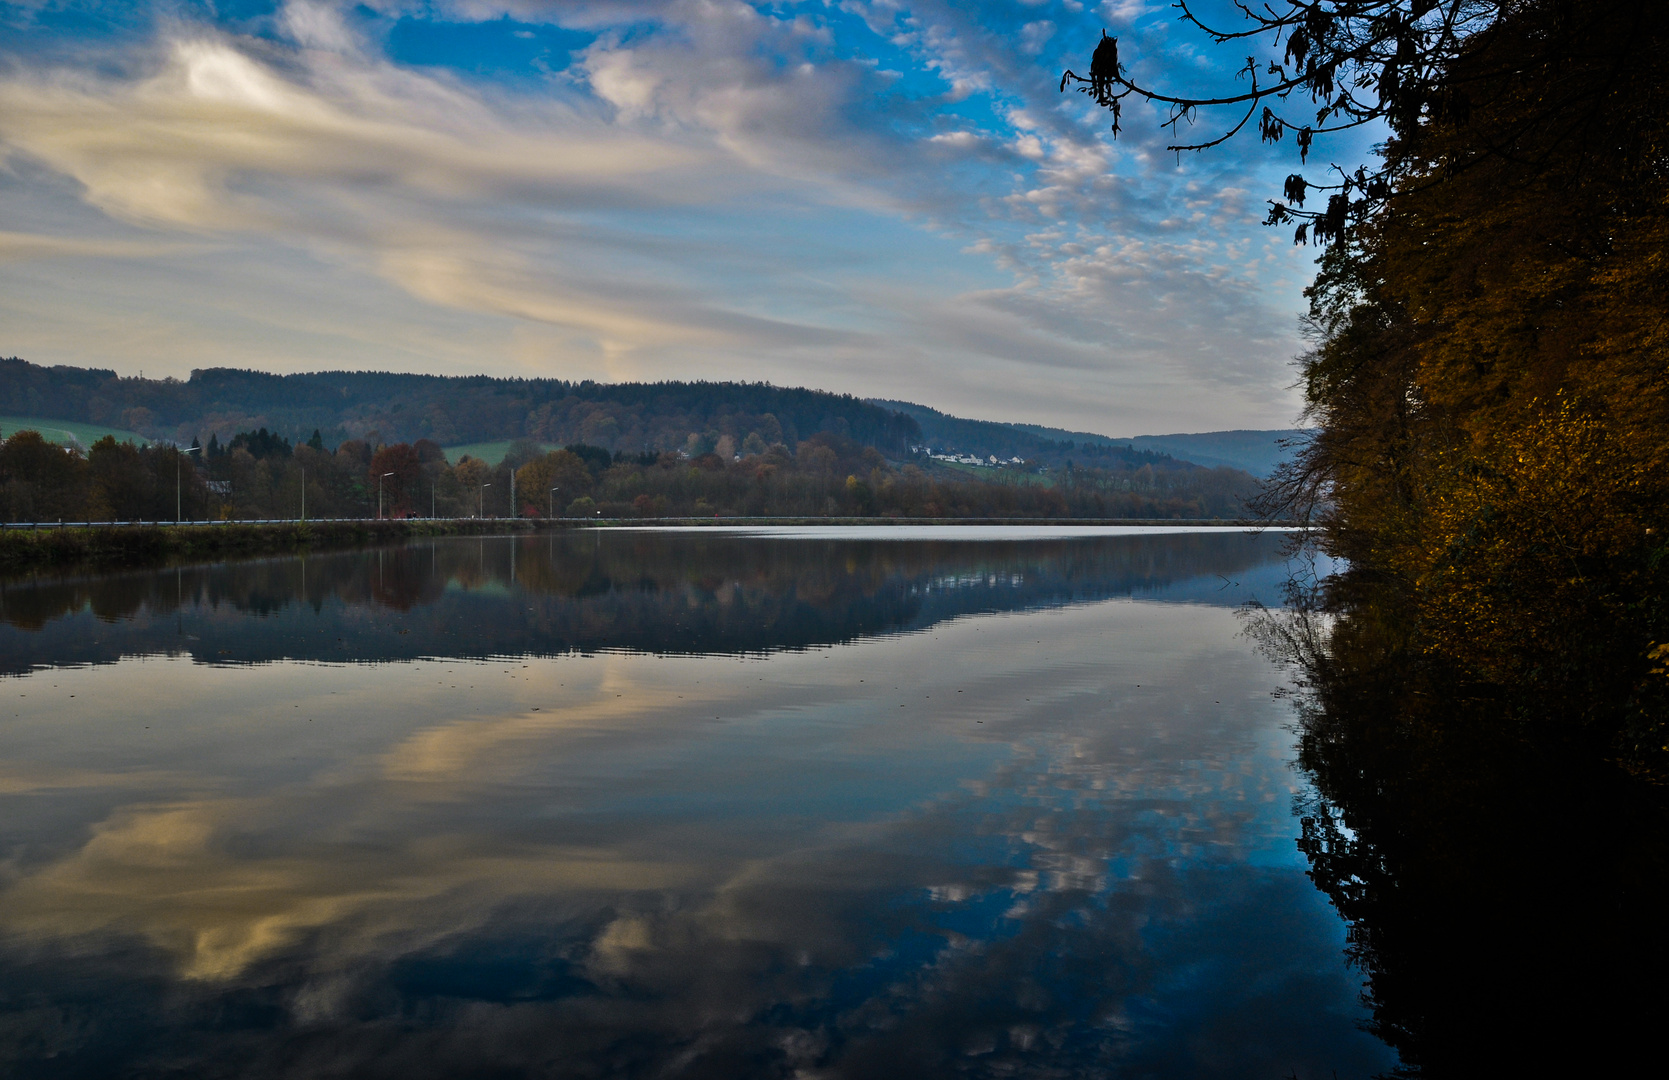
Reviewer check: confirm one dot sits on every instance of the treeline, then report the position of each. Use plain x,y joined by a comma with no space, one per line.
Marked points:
383,407
1491,381
828,475
261,475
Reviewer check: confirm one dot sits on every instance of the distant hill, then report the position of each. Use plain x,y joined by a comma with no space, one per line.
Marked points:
465,412
387,407
983,438
1256,452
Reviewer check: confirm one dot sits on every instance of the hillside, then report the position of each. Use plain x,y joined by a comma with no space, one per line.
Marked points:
984,438
1256,452
484,415
633,449
67,432
387,407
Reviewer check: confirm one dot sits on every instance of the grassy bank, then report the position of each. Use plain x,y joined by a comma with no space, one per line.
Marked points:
128,545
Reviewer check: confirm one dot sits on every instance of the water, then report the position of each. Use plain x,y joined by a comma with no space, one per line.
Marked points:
792,803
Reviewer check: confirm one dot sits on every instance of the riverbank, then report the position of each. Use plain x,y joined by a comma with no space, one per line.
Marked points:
25,548
147,544
733,522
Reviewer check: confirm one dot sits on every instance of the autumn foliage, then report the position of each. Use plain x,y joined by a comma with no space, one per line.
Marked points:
1490,376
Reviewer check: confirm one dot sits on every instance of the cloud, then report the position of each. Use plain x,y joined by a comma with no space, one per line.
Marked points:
174,148
317,26
770,90
622,313
702,188
21,246
366,162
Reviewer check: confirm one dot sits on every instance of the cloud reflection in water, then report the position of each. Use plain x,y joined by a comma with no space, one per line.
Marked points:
1048,840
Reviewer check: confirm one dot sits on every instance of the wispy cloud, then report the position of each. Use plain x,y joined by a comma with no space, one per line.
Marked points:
809,193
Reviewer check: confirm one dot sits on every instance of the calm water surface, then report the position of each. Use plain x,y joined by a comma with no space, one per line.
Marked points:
803,803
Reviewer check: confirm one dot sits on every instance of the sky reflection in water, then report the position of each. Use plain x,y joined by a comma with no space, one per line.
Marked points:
662,804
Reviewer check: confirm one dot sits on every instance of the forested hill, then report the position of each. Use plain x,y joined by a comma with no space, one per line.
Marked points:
1256,452
392,408
941,431
384,407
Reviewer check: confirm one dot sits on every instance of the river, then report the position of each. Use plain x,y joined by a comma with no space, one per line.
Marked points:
646,803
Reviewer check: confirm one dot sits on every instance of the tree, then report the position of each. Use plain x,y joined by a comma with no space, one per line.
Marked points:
471,473
121,484
41,481
1410,65
1488,381
400,489
559,469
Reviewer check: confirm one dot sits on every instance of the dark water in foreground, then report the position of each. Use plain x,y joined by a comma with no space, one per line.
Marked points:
645,804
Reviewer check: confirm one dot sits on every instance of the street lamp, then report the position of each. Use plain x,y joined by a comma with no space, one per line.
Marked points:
379,494
554,490
481,501
178,454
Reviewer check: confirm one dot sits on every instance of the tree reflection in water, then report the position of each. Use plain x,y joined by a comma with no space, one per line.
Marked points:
547,595
1502,875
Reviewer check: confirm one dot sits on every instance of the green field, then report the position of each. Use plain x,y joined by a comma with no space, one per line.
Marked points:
490,452
67,432
991,474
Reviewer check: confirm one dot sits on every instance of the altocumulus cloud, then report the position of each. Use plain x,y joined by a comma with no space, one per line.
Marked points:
886,198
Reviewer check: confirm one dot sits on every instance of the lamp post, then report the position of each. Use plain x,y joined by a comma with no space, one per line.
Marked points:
379,494
481,501
513,512
304,493
178,454
554,490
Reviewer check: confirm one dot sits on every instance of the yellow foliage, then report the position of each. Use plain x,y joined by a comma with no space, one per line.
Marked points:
1491,380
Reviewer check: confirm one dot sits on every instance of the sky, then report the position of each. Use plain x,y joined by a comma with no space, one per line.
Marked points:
888,198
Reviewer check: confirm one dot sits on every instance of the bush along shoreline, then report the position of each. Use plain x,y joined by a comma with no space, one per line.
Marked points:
149,544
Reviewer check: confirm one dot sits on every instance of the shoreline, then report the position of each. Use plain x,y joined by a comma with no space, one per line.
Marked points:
118,545
114,545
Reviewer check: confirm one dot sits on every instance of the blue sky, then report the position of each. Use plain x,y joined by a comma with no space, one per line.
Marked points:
881,197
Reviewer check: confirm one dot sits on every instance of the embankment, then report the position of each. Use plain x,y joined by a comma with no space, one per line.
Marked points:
25,548
131,545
